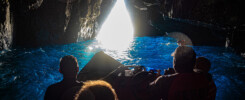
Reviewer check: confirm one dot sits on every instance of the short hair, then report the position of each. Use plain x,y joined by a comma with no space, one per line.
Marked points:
203,64
184,59
99,89
68,65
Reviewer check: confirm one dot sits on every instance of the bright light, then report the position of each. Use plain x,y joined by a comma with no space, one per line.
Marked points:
117,31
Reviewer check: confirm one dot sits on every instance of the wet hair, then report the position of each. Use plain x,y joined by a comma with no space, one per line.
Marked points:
184,59
68,65
203,64
96,90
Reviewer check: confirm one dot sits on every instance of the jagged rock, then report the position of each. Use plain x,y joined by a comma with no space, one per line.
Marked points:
46,22
98,67
31,23
5,25
235,39
205,22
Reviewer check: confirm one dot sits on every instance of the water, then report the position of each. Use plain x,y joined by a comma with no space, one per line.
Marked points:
26,73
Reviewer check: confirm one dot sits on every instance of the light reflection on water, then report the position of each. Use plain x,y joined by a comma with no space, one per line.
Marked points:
26,73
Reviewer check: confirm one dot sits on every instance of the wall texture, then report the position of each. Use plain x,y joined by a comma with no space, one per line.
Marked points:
31,23
206,22
5,25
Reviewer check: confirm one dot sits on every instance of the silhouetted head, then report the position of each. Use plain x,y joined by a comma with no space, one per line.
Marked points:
184,59
96,90
69,66
203,64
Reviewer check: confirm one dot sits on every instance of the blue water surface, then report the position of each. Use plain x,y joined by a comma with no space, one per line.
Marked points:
25,74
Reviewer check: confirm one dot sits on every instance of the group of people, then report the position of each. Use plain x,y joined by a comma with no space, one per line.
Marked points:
71,89
187,80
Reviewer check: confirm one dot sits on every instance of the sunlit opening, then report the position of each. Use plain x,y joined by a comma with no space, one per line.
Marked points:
117,31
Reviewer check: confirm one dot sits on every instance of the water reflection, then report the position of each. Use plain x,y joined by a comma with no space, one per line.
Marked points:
25,74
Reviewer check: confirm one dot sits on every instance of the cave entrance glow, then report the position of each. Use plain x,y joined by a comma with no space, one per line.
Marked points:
117,31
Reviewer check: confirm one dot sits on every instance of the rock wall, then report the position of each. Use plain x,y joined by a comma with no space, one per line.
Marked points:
46,22
225,13
31,23
5,25
206,22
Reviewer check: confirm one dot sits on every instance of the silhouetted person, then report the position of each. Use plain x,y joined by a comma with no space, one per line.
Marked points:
169,71
96,90
184,84
203,65
69,68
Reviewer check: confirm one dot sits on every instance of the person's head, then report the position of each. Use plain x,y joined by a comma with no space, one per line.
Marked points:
203,64
184,59
96,90
69,66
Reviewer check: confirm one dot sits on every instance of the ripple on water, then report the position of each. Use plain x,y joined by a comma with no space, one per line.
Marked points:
26,73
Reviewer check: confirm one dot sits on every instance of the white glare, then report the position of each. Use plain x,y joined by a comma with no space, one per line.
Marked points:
117,31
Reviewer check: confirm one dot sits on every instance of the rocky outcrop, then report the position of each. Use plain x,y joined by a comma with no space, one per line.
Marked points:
216,12
206,22
235,39
96,13
47,22
227,14
31,23
5,25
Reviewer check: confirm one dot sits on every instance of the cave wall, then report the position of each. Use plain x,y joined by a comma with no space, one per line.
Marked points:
5,25
206,22
225,13
33,23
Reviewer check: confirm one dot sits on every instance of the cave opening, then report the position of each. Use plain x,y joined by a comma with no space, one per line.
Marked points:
117,31
43,31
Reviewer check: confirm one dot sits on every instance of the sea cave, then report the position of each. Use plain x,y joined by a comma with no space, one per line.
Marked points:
104,35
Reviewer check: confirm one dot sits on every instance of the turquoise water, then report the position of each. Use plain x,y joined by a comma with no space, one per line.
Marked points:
26,73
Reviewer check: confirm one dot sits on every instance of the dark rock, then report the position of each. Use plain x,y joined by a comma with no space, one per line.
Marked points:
47,22
235,39
143,17
205,22
5,25
98,67
31,23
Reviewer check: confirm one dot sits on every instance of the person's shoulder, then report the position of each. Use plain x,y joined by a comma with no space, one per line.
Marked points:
51,91
167,77
207,75
53,86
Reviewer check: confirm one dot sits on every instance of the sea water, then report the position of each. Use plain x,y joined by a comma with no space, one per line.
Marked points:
25,74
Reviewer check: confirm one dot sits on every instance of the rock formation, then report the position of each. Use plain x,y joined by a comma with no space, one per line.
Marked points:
45,22
5,25
206,22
